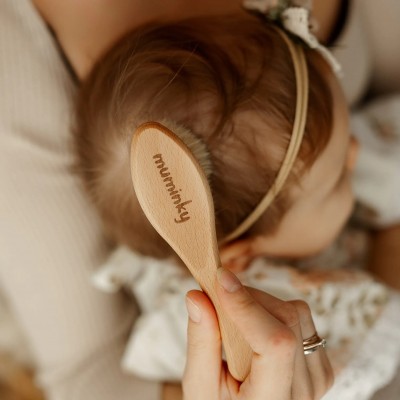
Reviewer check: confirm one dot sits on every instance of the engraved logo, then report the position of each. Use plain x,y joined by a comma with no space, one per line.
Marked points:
173,191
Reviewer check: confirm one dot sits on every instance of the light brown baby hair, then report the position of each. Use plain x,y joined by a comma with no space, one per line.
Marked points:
230,80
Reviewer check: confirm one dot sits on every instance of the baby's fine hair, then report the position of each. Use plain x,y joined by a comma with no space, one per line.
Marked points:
228,79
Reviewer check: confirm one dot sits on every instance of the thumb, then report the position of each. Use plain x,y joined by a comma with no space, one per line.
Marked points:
203,364
257,325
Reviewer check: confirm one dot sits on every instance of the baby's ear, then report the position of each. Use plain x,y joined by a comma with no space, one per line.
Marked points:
237,255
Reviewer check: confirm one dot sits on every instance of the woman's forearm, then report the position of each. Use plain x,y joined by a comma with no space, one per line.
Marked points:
172,391
86,29
384,259
326,13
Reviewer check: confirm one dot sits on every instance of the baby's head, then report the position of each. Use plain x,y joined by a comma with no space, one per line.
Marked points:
230,80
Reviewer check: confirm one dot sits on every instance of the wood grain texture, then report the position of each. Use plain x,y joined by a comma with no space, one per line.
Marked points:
175,196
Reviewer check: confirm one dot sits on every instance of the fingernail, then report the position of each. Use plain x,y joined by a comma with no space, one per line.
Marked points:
228,280
193,310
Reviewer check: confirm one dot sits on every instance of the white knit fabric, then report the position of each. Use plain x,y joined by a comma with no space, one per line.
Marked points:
50,237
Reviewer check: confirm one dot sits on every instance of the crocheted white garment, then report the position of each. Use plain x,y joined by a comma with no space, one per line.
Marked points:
376,361
376,178
348,309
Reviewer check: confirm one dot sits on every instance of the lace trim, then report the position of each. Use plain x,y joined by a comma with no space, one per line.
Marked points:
376,361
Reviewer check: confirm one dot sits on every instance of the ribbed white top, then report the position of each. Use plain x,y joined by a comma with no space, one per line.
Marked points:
50,237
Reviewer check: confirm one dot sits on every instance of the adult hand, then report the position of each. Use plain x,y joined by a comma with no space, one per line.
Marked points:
275,330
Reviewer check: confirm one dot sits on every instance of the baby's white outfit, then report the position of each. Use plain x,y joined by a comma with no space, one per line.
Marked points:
344,304
376,177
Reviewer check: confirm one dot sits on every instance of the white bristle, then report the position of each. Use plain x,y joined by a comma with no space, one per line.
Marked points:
195,144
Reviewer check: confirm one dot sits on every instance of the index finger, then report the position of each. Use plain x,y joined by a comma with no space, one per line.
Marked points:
273,343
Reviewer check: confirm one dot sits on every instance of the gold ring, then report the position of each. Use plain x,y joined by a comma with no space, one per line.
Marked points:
313,343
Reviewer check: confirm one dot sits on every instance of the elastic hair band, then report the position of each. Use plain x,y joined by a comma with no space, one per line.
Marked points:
302,88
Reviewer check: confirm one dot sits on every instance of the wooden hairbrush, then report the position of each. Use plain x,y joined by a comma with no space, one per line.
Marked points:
172,188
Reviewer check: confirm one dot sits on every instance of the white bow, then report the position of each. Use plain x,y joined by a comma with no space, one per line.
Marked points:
295,20
265,6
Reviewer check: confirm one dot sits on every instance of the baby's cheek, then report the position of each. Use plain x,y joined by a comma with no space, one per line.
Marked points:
345,205
349,198
352,154
332,223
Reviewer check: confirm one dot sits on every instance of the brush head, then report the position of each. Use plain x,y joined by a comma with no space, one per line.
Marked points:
169,177
194,144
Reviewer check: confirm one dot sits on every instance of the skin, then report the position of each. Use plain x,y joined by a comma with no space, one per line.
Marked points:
384,260
324,195
85,29
274,329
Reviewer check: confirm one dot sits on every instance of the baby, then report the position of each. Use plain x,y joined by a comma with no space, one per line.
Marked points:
229,80
232,82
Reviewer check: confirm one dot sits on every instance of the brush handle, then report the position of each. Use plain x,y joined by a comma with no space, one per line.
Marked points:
237,351
204,267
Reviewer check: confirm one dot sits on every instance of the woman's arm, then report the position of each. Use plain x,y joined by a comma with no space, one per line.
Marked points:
384,259
172,391
86,29
326,14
